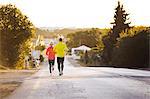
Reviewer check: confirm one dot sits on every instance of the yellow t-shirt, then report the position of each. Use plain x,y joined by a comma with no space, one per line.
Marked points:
60,49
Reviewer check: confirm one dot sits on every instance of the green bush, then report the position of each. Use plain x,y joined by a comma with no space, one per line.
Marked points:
41,58
15,31
91,58
40,47
132,51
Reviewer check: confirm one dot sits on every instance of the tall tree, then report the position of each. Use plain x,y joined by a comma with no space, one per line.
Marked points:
15,30
120,22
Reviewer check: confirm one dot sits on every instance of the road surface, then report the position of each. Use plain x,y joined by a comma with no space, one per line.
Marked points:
85,83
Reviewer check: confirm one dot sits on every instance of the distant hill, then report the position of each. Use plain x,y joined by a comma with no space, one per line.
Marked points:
46,33
51,33
50,28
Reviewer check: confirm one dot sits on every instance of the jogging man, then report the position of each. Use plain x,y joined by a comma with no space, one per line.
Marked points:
51,57
60,50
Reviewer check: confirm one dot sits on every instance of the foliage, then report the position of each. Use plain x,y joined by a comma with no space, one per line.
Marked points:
24,51
133,31
91,58
40,47
41,58
15,30
91,38
108,48
133,49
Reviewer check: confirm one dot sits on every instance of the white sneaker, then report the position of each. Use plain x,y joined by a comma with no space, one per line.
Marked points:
61,73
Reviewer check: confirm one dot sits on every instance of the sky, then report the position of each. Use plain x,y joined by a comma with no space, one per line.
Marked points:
81,13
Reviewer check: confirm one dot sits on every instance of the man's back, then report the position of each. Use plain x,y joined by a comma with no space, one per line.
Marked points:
60,49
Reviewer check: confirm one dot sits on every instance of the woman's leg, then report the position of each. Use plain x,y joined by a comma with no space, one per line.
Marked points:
53,62
50,66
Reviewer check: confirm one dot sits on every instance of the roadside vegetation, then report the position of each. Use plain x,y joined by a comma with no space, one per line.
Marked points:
16,32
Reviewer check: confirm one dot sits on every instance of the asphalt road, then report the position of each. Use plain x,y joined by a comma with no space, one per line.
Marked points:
85,83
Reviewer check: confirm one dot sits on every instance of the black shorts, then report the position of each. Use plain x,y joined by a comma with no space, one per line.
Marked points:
60,59
51,62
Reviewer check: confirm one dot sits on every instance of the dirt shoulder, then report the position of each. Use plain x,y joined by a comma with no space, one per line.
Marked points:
11,79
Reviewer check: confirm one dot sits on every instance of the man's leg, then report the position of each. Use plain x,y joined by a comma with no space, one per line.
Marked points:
62,65
58,62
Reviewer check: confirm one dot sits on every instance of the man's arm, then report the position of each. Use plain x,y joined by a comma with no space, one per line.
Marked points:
66,48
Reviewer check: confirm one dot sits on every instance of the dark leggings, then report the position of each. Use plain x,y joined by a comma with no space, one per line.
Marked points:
51,63
60,61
